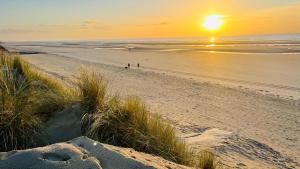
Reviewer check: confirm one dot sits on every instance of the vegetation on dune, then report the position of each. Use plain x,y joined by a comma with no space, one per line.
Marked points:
27,98
54,95
92,87
2,49
206,160
19,127
128,123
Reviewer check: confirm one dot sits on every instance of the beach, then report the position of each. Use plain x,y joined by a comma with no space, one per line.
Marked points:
241,102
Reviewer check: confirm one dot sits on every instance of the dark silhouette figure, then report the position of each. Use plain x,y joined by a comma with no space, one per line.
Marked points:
128,65
138,65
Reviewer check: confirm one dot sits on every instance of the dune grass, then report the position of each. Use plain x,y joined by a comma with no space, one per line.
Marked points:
129,123
27,98
53,95
207,160
92,87
19,127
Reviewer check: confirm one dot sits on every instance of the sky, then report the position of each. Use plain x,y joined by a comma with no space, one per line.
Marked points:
127,19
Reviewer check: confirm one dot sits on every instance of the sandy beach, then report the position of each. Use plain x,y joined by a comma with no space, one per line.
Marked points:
249,124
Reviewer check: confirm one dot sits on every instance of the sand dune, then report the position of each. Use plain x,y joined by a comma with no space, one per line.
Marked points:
82,153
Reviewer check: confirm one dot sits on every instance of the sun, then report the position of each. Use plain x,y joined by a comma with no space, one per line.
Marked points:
213,22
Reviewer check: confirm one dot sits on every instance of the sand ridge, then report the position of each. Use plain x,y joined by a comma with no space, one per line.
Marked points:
80,153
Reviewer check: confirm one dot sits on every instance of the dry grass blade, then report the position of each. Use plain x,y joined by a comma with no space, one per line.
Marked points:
207,160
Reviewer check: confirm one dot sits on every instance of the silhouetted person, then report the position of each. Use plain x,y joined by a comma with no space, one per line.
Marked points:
138,65
128,65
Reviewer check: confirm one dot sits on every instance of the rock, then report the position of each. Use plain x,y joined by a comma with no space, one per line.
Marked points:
82,153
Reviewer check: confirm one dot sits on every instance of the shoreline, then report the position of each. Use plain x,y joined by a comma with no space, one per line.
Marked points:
272,88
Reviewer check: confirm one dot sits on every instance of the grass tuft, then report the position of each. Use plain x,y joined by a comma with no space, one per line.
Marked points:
19,127
92,87
207,160
26,98
51,96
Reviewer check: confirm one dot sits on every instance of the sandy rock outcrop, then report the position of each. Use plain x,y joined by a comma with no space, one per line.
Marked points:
82,153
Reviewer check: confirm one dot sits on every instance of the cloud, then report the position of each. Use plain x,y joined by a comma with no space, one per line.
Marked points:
93,24
153,24
18,31
89,24
161,23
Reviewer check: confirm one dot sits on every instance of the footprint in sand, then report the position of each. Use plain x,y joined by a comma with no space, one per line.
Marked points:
56,157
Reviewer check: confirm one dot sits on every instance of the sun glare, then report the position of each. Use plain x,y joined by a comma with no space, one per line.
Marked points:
213,22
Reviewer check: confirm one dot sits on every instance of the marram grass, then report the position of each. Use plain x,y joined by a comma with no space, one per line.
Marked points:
206,160
92,88
27,97
19,127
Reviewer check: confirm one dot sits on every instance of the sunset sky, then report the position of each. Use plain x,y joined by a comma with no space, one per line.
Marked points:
123,19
